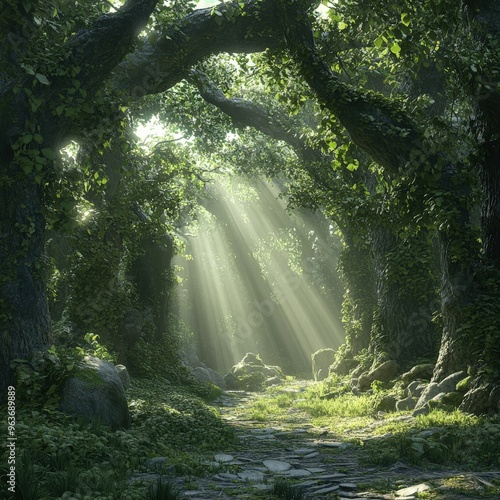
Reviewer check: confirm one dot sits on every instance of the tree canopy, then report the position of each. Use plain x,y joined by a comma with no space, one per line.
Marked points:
385,117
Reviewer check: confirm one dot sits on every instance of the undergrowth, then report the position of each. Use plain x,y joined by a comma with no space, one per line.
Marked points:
60,457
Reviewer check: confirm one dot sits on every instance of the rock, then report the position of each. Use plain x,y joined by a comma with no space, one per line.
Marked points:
449,384
321,362
453,399
277,465
384,372
223,458
209,375
406,404
415,389
429,392
251,373
413,490
96,393
387,403
364,382
418,372
124,376
272,381
433,389
251,475
424,410
464,385
344,366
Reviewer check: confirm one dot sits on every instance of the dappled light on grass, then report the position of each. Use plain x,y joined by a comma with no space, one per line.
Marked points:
252,284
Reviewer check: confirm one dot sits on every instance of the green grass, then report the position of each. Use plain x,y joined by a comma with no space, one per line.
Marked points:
72,459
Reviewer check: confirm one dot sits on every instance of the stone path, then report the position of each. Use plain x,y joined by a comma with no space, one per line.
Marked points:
319,467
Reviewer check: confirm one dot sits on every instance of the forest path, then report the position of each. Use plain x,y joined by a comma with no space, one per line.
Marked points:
309,463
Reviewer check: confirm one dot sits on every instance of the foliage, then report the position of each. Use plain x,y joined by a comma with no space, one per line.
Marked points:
71,459
286,490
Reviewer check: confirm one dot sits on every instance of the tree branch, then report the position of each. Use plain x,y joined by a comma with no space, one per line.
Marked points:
374,124
160,64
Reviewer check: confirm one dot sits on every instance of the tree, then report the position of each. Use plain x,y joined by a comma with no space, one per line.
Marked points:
66,73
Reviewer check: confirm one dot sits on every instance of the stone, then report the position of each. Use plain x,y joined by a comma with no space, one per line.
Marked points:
223,458
429,392
251,373
297,473
453,399
433,389
324,491
96,393
386,404
415,389
408,403
384,372
464,384
124,376
413,490
348,486
321,362
419,372
277,465
364,382
209,375
252,476
344,366
449,384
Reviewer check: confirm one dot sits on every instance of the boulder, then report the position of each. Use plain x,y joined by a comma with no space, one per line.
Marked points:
447,385
321,362
344,366
464,385
209,375
124,376
96,393
251,373
415,389
406,404
419,372
386,404
384,372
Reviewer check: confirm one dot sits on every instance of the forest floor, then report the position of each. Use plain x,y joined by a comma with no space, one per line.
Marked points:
284,452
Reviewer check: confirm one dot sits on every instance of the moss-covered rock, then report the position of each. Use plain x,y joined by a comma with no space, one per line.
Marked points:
96,393
251,373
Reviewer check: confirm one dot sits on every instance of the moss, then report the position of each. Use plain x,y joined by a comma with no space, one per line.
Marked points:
464,384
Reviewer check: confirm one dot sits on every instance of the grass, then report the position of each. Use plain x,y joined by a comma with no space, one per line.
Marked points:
73,459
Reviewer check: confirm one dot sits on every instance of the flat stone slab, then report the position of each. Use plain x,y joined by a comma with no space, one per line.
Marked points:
413,490
223,458
305,451
331,477
277,465
348,486
332,444
324,491
252,476
297,473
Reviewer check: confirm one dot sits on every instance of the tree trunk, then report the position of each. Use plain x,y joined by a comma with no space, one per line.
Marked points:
406,296
24,317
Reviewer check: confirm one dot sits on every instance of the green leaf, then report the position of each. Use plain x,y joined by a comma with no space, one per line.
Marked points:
395,48
42,79
49,153
352,167
405,19
342,25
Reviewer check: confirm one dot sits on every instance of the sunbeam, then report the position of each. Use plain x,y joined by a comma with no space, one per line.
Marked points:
252,283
